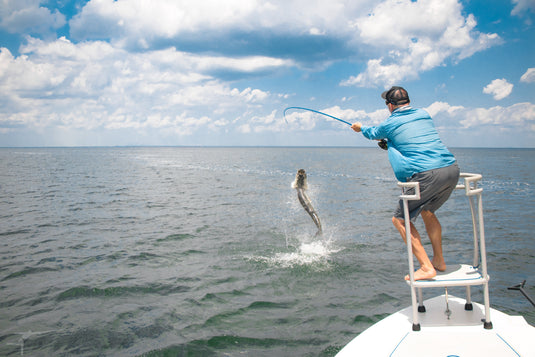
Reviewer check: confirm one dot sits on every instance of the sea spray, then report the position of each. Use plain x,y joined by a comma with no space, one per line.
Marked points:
314,254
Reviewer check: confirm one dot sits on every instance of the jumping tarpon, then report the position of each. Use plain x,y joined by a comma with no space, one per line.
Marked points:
301,185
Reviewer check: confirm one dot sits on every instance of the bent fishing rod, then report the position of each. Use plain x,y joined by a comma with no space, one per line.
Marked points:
315,111
382,143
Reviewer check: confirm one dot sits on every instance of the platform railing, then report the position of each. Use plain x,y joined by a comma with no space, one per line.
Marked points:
467,275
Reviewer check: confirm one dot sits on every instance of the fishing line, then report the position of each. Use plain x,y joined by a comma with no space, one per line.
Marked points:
382,143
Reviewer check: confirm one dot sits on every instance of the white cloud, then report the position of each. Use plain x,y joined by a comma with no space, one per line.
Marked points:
529,76
442,107
136,18
416,44
131,22
379,74
268,123
297,120
498,126
244,128
250,95
249,64
499,88
348,115
92,85
522,8
126,73
22,16
520,116
517,117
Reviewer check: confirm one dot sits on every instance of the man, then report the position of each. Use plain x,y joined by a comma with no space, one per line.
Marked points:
417,154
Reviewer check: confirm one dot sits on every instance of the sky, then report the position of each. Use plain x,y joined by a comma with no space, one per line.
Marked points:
221,73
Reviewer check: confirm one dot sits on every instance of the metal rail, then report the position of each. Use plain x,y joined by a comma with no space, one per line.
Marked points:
411,191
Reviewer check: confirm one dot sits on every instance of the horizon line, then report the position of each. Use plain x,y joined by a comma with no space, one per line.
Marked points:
241,146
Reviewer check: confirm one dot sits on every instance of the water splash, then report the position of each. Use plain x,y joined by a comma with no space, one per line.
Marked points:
314,254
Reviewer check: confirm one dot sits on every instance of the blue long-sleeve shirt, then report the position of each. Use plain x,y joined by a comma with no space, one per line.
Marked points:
413,142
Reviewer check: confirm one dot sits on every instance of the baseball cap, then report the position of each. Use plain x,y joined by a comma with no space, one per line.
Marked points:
396,95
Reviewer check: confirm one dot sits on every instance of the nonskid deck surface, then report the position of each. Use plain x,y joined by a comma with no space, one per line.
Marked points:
460,335
454,275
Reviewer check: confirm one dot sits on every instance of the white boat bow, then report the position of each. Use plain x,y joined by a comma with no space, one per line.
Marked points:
459,334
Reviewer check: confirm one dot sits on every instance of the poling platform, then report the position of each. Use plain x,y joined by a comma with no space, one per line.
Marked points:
448,326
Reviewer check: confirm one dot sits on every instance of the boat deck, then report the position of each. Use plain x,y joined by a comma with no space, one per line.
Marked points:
462,334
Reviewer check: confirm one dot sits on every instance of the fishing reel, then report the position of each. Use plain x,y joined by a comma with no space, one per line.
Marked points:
383,144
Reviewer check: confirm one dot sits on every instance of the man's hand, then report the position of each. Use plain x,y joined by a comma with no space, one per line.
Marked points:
356,126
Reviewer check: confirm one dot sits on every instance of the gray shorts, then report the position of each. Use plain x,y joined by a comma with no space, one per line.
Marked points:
436,187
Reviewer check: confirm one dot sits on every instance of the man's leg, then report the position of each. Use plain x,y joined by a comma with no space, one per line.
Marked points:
434,231
426,271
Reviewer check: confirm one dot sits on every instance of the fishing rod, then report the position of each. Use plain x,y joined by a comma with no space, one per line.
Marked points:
382,143
315,111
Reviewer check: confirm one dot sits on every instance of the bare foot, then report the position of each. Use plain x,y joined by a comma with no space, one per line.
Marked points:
423,274
439,264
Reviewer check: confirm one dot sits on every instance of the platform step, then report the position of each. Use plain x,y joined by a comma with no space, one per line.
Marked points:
454,275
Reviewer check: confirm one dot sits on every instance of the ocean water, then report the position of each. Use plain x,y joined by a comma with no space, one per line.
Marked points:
207,251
